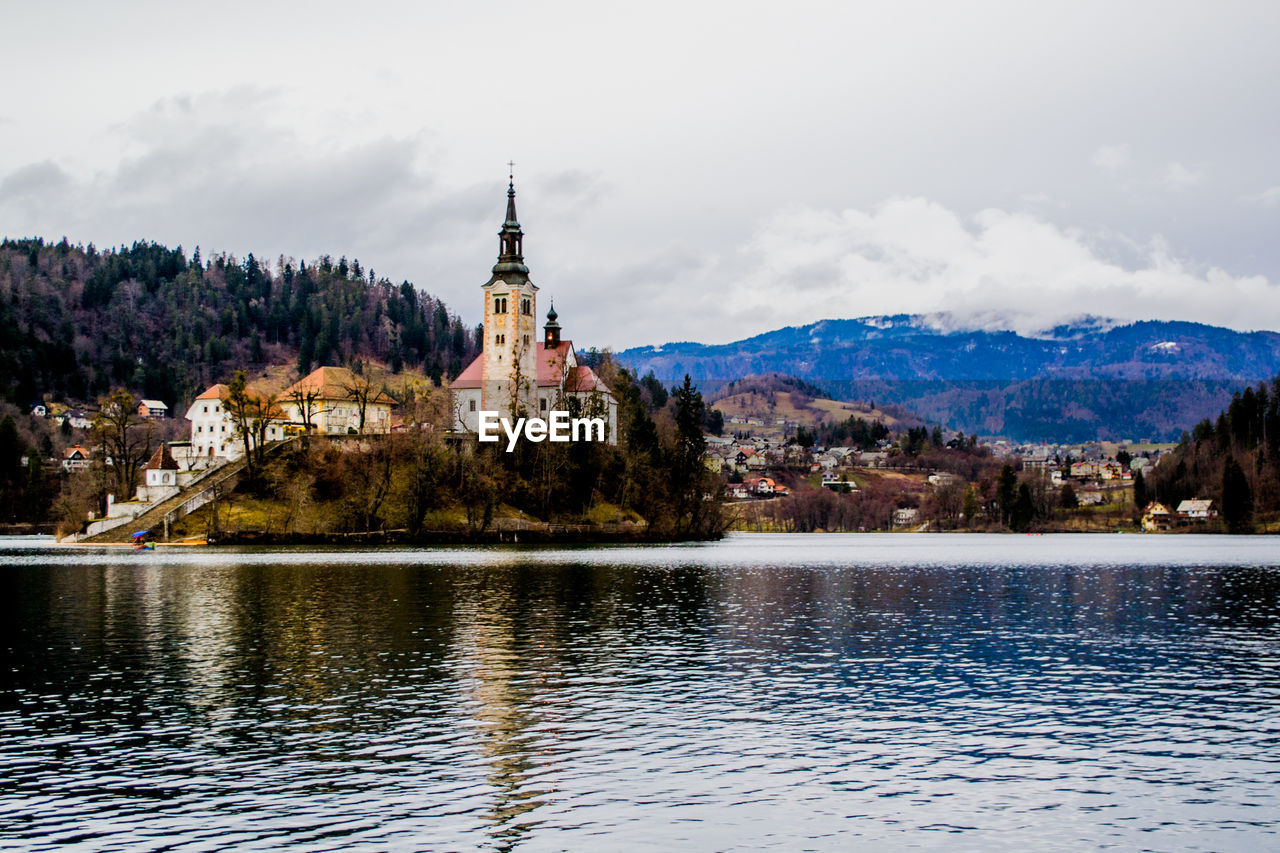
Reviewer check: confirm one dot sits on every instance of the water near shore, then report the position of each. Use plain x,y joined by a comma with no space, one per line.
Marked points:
763,692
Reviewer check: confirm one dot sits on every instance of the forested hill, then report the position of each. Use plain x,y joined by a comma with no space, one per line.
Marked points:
1095,379
75,321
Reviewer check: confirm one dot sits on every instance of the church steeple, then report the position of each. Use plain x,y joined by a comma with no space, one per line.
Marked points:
551,331
510,264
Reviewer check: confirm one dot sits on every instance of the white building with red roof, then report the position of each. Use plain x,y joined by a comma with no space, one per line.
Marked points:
515,373
213,430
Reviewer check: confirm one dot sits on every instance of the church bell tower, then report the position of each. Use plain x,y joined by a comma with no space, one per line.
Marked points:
509,369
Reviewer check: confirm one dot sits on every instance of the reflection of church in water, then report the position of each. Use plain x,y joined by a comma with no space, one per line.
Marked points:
516,373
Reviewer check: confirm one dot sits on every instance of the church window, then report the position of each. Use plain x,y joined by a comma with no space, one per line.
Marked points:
526,306
500,304
526,340
473,405
542,404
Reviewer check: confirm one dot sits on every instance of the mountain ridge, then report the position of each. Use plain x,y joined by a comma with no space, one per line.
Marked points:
1090,378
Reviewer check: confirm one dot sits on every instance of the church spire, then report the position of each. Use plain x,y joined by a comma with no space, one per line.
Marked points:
511,204
511,240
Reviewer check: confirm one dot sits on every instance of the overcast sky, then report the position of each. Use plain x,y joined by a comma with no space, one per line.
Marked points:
685,171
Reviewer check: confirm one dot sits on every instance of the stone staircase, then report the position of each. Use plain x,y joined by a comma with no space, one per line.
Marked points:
158,519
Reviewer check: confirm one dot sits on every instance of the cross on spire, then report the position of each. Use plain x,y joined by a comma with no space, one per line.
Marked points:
511,175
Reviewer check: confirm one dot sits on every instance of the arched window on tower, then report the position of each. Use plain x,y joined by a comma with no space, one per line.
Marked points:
500,304
526,306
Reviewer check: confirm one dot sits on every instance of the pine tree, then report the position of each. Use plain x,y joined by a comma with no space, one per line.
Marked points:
1140,496
1237,498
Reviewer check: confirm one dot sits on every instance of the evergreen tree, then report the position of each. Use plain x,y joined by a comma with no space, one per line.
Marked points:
688,473
1024,510
1140,496
970,508
1006,492
1237,498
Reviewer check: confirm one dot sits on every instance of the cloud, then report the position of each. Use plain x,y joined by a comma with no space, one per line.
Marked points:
34,179
1178,177
226,171
1111,158
996,269
1269,197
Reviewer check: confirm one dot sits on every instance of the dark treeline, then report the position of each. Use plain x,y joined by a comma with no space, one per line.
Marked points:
1234,460
76,322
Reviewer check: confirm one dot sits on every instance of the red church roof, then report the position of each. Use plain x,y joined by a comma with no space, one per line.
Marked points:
550,366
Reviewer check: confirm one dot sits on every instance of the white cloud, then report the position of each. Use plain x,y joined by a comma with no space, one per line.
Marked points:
1178,177
1111,158
912,255
1269,197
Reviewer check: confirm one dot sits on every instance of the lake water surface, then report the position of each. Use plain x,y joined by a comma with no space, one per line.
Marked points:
764,692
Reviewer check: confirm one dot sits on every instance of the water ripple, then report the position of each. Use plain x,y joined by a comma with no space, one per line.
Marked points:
762,693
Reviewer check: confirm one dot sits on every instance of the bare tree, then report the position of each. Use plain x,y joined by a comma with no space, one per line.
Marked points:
361,391
251,413
308,402
125,438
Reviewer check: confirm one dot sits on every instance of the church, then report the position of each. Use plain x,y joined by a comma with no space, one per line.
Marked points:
517,373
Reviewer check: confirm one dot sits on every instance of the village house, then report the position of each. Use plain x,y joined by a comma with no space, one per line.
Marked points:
1196,510
213,429
873,458
1156,517
75,459
836,483
76,418
328,400
1084,470
761,486
152,410
515,374
906,516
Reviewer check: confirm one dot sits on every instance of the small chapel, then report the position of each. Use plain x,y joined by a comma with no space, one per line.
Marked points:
517,373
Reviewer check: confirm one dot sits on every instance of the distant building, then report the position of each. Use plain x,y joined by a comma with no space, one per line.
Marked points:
75,459
75,418
1197,510
152,410
1156,517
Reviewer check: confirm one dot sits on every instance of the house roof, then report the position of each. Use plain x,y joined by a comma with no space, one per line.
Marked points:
215,392
161,460
1195,506
153,404
72,452
584,379
221,392
550,367
332,383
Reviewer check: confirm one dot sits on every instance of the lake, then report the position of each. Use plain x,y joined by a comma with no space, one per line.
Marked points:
820,692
